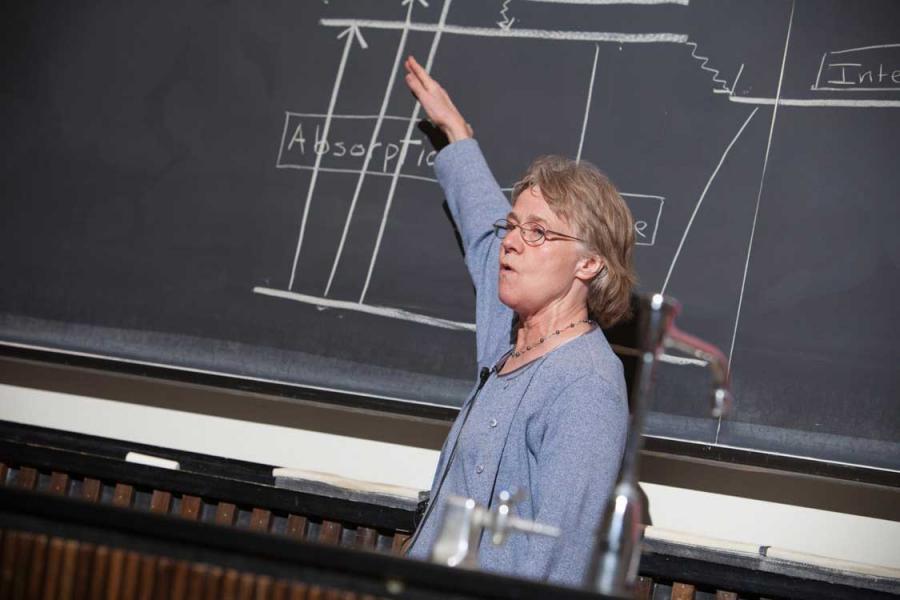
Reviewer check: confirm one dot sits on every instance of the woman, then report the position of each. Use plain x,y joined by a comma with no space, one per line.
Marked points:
549,415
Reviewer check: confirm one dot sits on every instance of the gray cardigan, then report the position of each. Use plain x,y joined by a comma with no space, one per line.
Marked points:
554,428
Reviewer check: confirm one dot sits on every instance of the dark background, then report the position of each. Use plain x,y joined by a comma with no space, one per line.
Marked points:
147,191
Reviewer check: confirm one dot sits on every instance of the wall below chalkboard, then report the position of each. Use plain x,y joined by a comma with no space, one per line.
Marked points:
826,516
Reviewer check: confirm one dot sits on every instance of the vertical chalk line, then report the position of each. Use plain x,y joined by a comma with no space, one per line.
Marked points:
587,106
287,120
736,79
702,196
402,157
375,132
315,173
819,74
762,180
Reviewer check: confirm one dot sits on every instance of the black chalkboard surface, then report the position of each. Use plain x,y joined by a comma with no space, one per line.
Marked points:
243,189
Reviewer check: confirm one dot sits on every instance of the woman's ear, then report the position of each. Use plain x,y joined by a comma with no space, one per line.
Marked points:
589,267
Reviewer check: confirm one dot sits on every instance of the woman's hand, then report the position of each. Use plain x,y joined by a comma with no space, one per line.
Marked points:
436,102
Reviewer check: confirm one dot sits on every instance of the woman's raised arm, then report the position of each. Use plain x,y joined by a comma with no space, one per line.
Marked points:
475,201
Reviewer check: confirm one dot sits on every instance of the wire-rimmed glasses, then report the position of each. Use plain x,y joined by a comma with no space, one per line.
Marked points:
533,234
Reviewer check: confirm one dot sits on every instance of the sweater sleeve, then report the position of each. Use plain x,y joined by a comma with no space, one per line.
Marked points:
577,465
476,202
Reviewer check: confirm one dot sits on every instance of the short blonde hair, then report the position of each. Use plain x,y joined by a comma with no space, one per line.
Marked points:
588,201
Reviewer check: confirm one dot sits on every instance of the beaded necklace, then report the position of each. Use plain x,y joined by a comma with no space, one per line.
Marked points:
517,353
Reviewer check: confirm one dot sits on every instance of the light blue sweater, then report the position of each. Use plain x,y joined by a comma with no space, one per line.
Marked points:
554,428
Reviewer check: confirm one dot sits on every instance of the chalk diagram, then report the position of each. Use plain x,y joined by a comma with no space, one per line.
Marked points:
840,71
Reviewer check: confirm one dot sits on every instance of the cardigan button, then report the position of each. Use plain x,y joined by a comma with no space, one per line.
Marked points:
493,423
479,469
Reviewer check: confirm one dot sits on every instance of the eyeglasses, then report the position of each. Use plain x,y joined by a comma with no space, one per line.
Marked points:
532,233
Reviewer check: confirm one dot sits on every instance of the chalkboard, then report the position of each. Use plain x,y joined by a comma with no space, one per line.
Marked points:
240,188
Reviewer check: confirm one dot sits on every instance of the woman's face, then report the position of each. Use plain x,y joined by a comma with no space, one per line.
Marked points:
534,277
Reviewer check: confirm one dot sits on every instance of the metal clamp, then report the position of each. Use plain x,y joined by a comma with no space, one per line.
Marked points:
465,520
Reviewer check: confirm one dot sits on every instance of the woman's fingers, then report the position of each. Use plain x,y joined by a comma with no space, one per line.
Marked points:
413,66
435,101
425,88
415,85
413,78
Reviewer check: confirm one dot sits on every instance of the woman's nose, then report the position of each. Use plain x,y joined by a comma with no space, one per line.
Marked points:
512,241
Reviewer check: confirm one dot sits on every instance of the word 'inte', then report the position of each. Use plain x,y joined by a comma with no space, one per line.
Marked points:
855,74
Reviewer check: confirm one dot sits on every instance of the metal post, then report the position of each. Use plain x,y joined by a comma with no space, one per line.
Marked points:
614,563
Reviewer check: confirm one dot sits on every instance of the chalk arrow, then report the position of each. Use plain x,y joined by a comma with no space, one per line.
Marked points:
375,132
506,23
422,2
354,31
351,33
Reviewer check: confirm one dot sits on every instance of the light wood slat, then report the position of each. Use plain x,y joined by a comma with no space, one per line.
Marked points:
190,507
682,591
180,574
246,585
315,593
229,586
22,564
7,553
147,577
260,520
8,562
296,527
281,590
225,513
163,582
332,594
53,568
131,571
115,573
160,502
91,489
82,585
330,532
100,570
643,589
197,581
123,495
26,478
68,570
299,591
38,565
59,483
213,584
263,589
